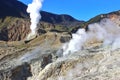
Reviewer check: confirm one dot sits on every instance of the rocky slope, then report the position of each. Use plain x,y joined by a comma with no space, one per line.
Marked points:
14,29
112,15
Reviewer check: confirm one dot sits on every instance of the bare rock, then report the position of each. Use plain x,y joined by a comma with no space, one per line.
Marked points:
85,65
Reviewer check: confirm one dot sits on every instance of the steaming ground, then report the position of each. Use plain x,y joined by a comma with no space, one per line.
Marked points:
106,31
104,65
34,54
94,63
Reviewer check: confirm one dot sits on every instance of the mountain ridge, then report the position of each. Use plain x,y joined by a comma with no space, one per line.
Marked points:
16,8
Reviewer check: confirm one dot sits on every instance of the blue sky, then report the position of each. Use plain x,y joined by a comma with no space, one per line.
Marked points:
79,9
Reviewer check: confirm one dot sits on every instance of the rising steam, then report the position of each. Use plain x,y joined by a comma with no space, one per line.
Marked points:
106,31
34,10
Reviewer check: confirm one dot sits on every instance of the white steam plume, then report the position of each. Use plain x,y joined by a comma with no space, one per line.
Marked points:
76,42
34,10
106,31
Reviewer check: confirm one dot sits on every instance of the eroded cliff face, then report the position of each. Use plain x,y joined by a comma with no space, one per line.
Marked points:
14,29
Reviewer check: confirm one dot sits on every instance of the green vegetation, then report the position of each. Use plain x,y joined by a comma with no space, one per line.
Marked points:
61,28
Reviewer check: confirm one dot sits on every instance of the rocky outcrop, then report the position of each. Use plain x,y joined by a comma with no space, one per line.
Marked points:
19,73
114,16
65,38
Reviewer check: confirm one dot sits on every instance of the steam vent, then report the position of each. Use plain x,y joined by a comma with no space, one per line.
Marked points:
52,46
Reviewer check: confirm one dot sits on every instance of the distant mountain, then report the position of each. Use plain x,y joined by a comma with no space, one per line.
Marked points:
62,19
16,8
12,8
